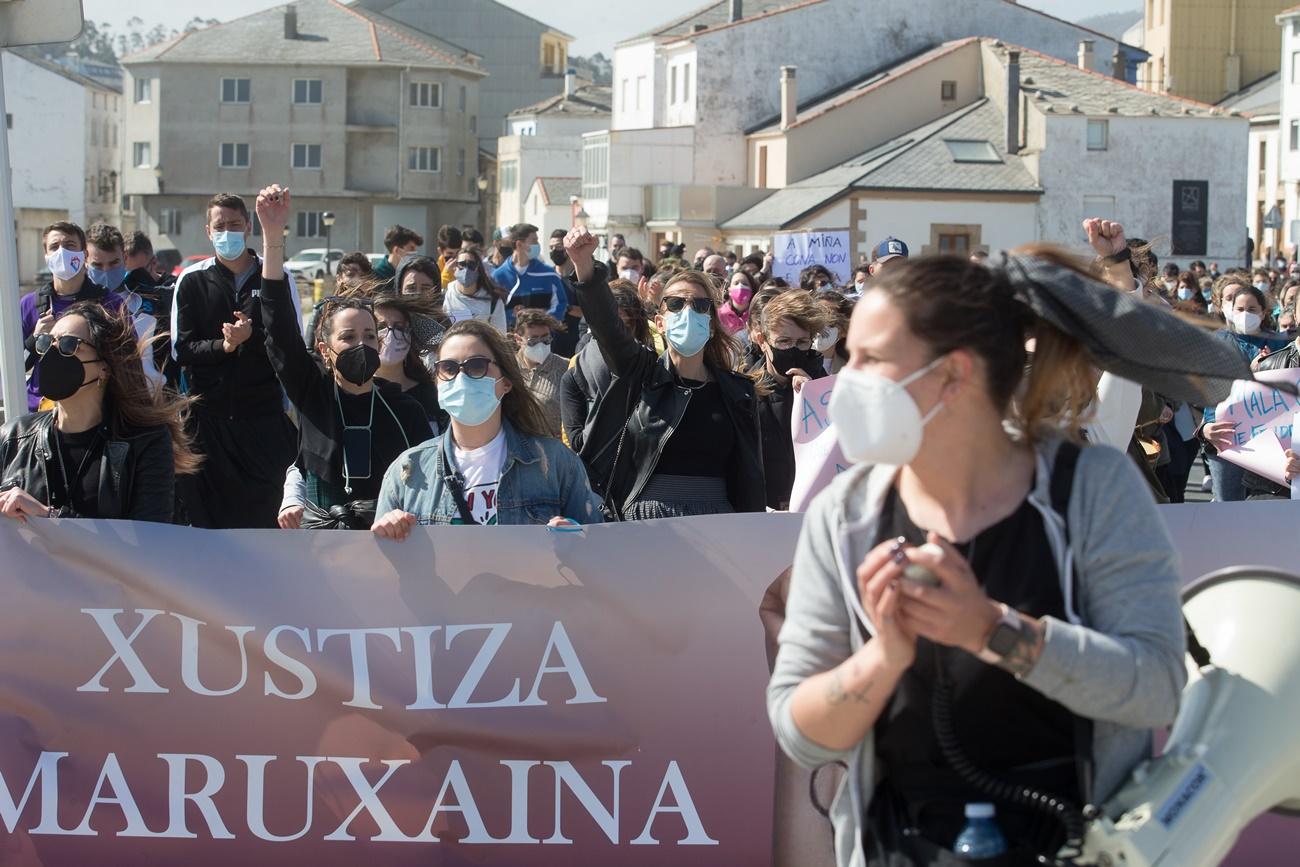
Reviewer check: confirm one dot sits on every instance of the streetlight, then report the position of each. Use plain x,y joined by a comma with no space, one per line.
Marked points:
328,219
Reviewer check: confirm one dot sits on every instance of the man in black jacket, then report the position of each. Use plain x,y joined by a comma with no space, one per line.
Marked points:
239,420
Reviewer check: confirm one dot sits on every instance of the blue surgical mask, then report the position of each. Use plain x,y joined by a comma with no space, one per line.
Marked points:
1207,294
535,251
687,331
1184,294
465,276
469,401
110,279
229,245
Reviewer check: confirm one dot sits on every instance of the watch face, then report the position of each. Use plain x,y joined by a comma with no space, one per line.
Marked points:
1004,639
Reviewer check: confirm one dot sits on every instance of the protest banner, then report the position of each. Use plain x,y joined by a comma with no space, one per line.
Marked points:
170,695
794,251
817,454
1264,417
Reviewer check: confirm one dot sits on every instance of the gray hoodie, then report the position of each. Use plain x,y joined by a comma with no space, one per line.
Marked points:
1119,660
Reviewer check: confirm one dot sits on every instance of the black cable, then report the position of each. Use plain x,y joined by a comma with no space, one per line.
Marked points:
1070,816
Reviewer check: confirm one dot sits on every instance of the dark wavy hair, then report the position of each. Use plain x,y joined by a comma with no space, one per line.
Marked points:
131,402
518,406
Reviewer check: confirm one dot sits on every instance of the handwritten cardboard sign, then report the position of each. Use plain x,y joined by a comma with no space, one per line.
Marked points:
817,454
1265,419
794,251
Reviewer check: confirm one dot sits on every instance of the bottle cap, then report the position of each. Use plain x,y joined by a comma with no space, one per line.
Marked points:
980,811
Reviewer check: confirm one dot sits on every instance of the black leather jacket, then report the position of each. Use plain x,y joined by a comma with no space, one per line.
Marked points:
646,395
136,475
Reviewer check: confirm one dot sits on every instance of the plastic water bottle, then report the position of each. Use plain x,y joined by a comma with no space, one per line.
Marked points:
980,839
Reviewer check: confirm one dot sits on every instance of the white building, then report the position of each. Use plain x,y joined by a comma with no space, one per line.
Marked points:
551,203
1289,126
1261,104
941,163
545,141
659,174
63,147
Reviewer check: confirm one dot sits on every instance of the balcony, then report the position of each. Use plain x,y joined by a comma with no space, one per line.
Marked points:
697,205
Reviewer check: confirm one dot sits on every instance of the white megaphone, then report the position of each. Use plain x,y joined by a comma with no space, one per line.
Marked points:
1232,754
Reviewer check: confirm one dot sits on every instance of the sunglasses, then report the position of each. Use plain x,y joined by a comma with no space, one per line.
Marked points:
466,263
386,330
67,344
367,303
676,303
546,341
475,367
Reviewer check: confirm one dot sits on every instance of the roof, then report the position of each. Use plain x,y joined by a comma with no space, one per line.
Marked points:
1262,97
713,15
558,191
1058,87
34,57
916,160
382,5
864,84
590,99
330,33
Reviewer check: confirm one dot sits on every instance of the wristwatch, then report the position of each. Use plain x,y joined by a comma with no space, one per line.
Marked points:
1006,634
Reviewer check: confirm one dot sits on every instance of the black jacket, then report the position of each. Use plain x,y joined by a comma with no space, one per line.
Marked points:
580,387
136,474
240,384
312,392
646,397
776,405
156,300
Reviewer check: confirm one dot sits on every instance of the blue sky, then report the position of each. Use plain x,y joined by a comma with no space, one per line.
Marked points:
597,26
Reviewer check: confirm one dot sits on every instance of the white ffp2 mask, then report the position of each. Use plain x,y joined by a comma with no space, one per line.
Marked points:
876,420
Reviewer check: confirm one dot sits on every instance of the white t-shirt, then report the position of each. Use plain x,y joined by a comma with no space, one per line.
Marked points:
459,307
481,468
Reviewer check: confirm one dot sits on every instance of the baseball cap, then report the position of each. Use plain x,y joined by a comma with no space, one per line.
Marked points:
890,248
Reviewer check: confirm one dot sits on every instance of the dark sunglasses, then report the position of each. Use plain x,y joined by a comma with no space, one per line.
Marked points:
385,330
545,341
66,343
475,367
466,263
675,303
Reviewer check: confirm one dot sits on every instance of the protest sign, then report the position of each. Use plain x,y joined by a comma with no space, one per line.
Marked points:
170,695
817,455
794,251
1264,417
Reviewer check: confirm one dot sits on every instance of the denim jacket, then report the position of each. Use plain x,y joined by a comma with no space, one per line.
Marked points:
542,479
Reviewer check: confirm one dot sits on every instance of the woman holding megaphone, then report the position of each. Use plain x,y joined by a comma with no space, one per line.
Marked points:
982,612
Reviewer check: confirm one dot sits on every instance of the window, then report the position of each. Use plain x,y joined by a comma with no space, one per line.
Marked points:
548,57
622,101
640,86
948,91
672,86
686,83
306,156
956,244
595,167
94,99
762,165
1295,26
1295,135
1098,135
114,128
307,91
9,120
94,133
1295,67
236,90
234,155
142,152
473,123
169,221
460,100
424,159
144,90
509,175
310,224
972,151
426,94
460,162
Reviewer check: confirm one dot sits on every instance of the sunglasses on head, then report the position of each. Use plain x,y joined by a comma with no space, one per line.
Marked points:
675,304
350,299
475,367
67,343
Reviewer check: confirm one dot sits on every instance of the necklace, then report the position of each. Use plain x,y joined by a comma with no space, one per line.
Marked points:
81,468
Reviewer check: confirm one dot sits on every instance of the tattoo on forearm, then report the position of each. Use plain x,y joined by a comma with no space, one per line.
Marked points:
837,694
1028,647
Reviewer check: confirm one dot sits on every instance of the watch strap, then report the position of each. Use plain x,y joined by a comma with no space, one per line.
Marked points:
1010,619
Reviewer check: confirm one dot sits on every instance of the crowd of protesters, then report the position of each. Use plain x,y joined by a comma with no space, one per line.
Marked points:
673,380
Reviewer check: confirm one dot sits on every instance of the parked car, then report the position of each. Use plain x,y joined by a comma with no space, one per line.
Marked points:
187,262
311,264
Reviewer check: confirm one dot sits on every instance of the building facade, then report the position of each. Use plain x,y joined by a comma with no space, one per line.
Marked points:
525,58
1261,104
64,148
1208,49
359,116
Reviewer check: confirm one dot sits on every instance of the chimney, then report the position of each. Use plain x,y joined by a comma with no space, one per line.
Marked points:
1087,48
737,11
570,81
1013,102
789,97
1119,63
291,21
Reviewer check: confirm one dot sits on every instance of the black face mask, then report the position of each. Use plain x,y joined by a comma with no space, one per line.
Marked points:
60,376
793,358
357,365
558,256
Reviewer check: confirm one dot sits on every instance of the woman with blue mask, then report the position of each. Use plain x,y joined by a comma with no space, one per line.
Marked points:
496,464
675,434
473,295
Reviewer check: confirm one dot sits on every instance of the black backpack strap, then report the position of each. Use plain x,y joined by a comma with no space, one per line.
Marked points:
452,479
